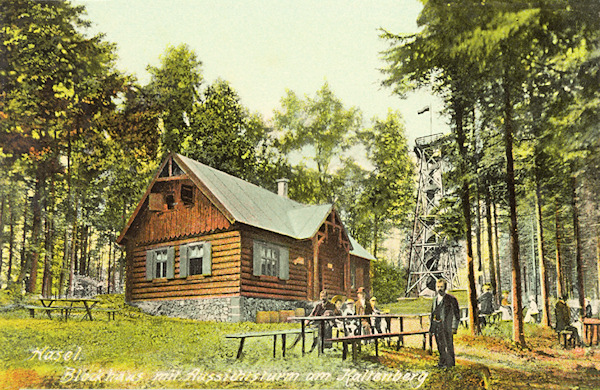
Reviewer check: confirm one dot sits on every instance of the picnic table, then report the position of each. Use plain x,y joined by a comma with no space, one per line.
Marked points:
321,320
283,333
491,318
67,305
591,326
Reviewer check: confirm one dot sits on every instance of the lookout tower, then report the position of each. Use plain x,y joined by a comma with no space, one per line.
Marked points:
432,257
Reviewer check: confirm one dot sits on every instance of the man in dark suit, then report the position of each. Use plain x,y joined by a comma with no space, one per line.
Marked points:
445,316
324,308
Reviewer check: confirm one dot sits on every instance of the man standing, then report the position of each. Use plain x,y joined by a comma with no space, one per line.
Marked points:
363,307
445,316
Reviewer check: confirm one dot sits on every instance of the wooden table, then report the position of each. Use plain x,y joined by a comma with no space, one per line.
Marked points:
591,326
282,333
320,320
70,304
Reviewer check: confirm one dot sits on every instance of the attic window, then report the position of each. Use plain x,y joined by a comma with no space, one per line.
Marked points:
165,171
171,169
175,170
187,195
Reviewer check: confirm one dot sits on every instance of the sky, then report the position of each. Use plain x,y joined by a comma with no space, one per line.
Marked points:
262,48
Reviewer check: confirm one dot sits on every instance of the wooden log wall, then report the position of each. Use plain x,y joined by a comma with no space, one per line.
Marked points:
295,288
224,279
181,221
332,252
363,274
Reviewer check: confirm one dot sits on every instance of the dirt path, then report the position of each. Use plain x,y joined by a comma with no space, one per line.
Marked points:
494,363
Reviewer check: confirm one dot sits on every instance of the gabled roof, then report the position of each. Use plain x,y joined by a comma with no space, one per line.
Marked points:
255,206
252,205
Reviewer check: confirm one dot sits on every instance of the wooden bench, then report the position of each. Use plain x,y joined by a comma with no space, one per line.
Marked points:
283,333
356,340
491,318
47,310
108,310
567,338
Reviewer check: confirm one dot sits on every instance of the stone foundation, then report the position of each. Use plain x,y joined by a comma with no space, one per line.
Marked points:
223,309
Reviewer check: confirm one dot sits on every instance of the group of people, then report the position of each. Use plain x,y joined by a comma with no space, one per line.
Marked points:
566,321
339,307
444,319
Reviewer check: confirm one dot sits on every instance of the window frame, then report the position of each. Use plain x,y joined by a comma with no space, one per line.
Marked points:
151,263
184,260
283,266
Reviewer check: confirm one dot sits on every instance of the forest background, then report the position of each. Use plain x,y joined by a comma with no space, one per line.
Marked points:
519,80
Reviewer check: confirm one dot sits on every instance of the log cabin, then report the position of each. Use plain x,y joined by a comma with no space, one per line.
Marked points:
206,245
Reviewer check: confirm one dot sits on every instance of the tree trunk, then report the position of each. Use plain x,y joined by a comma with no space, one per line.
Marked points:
466,208
47,278
490,241
497,250
542,253
478,232
11,243
73,254
518,334
83,255
598,260
24,239
109,271
560,286
2,206
578,259
31,259
375,234
46,268
65,265
88,250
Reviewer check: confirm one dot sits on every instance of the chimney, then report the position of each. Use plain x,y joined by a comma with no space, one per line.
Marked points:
282,187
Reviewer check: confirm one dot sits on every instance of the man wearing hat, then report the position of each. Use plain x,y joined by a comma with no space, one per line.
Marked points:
363,308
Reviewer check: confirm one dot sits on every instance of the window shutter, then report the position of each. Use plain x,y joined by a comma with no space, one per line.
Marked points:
206,259
184,261
170,262
150,264
155,202
256,263
284,263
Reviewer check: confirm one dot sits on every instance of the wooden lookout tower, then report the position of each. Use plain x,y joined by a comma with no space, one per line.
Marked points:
432,256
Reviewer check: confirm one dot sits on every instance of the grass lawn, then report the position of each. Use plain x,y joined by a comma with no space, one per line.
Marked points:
140,351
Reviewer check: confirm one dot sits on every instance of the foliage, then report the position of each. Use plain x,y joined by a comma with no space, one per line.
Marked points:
507,72
224,135
388,281
174,88
319,127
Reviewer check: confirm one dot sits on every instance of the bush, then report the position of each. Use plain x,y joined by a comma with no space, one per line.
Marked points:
389,281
